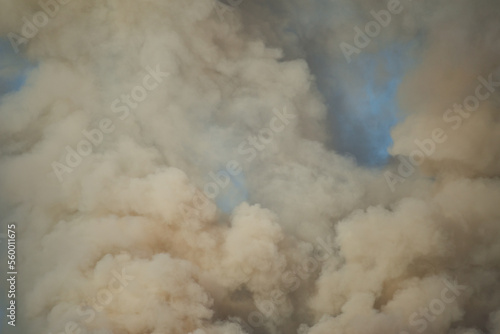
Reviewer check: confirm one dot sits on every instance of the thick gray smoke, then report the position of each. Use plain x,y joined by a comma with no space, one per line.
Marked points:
172,167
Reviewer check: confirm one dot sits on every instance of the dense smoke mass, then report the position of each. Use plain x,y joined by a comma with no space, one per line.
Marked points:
250,166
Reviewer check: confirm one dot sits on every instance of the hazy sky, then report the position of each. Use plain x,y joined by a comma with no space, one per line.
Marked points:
185,166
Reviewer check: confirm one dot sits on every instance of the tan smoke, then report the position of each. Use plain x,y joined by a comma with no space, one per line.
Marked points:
125,241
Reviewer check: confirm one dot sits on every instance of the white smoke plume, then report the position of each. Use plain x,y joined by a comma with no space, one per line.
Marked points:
170,168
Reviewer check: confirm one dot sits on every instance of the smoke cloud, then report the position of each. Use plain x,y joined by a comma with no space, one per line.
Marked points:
203,166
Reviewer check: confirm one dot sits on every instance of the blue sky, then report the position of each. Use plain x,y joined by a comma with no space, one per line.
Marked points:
13,68
373,108
362,99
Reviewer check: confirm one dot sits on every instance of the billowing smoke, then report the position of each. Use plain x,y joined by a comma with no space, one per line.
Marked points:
251,166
